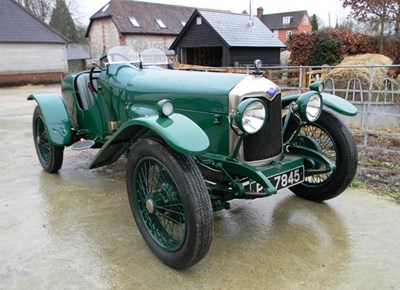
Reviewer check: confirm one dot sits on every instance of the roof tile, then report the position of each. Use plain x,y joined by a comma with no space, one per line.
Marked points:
237,31
146,14
275,21
18,25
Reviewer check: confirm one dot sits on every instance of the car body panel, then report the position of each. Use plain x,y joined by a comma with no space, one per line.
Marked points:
333,102
187,89
178,131
55,117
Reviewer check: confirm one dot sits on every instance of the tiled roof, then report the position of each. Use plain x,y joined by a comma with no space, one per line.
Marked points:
18,25
145,14
236,30
275,21
77,51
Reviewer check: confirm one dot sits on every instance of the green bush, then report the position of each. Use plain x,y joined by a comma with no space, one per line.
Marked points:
325,50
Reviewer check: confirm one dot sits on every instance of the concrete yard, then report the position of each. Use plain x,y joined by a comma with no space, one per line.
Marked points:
75,230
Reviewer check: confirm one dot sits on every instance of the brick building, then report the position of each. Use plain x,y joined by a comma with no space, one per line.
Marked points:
140,25
285,24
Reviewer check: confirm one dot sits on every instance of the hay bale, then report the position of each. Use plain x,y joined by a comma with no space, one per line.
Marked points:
342,76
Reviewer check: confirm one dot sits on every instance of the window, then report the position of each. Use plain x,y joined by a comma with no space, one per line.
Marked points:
183,23
288,34
134,22
276,33
160,23
286,19
198,21
305,20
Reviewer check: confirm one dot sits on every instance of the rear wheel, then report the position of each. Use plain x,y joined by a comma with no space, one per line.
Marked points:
50,156
170,203
334,140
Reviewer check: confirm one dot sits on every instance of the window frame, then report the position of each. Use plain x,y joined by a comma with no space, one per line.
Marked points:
134,21
287,19
160,23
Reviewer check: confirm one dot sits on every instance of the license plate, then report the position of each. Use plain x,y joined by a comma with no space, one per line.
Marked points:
280,181
288,178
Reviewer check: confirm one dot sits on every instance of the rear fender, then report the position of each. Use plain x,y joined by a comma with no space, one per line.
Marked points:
178,131
56,118
333,102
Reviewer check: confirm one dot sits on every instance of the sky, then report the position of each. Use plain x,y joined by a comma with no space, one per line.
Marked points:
328,10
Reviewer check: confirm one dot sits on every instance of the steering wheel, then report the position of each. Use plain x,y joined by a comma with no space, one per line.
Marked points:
91,78
111,54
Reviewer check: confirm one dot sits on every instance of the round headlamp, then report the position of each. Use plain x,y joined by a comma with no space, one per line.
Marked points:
250,116
310,106
165,108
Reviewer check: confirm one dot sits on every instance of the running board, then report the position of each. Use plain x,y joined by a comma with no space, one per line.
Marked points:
82,145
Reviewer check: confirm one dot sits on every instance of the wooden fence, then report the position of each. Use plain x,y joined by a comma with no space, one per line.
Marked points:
283,76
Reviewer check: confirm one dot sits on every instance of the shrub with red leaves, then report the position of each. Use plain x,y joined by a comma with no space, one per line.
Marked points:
304,46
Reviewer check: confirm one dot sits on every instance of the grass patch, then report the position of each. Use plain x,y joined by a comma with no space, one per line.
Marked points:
358,184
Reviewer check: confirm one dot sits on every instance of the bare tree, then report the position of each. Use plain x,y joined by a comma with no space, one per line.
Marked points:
42,9
374,11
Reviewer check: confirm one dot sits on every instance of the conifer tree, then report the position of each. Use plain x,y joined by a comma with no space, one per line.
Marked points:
61,21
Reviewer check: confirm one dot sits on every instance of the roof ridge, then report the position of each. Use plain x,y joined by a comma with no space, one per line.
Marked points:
43,24
286,12
217,10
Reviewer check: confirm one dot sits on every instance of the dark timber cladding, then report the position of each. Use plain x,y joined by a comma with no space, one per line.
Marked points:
215,38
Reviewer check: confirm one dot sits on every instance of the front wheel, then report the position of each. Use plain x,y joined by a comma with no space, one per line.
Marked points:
170,203
50,156
335,141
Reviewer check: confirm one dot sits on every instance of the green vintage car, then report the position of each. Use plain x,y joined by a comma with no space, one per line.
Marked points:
194,141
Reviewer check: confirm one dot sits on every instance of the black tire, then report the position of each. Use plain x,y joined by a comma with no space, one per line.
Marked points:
170,203
50,156
337,143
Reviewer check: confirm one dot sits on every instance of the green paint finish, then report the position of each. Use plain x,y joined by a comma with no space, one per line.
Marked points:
216,126
339,105
92,121
206,92
169,231
333,102
178,131
55,117
257,174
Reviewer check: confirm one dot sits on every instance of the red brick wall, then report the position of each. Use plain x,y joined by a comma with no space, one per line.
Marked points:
302,28
30,78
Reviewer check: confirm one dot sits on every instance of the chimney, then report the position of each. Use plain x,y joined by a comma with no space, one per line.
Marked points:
260,12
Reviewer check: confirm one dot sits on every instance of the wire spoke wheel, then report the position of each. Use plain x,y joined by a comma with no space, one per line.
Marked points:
326,146
42,141
170,203
50,156
159,204
331,137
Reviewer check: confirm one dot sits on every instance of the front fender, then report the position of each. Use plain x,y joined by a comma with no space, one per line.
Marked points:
333,102
178,131
55,117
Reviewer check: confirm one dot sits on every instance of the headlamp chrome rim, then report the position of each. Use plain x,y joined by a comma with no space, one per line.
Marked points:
314,107
250,116
310,106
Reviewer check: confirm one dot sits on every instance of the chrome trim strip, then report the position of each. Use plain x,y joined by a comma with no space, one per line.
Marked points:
265,162
250,87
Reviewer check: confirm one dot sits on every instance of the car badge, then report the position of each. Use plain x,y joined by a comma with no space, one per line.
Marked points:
271,93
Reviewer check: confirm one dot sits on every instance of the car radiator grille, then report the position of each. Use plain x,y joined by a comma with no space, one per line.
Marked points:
267,142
